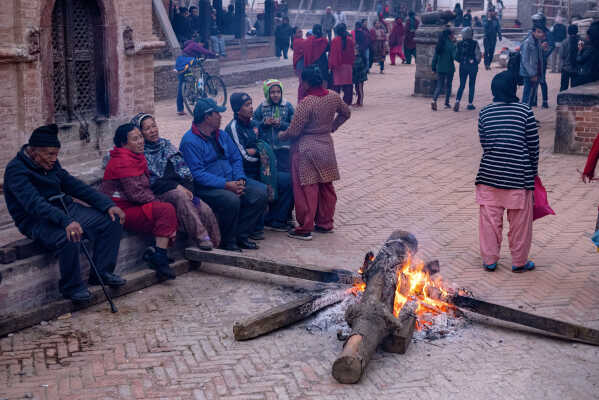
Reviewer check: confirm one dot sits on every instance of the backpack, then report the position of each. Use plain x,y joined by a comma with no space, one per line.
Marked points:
513,65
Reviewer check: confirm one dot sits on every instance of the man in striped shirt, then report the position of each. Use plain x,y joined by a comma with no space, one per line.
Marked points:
506,176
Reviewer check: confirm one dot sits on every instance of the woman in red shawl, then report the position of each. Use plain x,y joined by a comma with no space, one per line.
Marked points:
315,53
127,182
396,40
298,60
588,174
341,62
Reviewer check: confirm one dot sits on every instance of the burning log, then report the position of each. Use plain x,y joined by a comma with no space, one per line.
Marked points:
286,314
372,319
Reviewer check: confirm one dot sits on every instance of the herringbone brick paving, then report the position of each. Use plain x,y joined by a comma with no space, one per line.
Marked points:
402,167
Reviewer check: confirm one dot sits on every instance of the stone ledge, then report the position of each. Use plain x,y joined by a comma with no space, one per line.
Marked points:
577,119
584,95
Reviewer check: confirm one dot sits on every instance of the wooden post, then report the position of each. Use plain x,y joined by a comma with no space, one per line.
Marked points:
167,28
372,319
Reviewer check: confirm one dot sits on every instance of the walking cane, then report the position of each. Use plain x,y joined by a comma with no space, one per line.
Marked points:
86,252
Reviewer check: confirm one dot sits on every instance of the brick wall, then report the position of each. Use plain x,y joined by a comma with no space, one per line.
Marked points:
577,122
26,99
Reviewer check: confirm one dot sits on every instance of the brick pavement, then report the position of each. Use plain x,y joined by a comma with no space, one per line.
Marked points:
403,167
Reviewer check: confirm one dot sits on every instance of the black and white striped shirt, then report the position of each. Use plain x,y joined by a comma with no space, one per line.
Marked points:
510,141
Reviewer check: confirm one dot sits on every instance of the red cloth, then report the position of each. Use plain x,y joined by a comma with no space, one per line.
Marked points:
397,34
589,168
124,164
338,55
156,218
313,203
298,50
317,91
313,49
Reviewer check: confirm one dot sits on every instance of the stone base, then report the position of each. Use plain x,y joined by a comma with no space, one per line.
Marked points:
577,122
426,41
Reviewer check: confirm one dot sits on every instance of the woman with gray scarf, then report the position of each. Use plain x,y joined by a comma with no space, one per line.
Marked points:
171,182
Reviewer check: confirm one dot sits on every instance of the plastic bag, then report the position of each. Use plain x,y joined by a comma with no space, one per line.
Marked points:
541,206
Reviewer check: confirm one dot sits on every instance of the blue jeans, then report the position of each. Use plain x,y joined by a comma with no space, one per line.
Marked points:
181,78
444,81
467,71
530,89
280,209
218,45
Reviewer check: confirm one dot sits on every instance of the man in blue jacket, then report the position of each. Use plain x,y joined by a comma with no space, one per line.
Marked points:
31,180
215,163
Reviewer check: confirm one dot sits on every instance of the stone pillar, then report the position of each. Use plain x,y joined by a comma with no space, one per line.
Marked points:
269,17
525,12
206,19
240,19
426,39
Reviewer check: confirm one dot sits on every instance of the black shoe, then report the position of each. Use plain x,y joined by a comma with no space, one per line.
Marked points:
320,229
545,105
247,244
257,236
159,263
456,106
447,105
230,247
278,227
298,235
434,105
108,278
80,296
471,107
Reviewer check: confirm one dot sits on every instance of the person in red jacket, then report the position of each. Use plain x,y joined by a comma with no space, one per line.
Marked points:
341,62
396,40
588,174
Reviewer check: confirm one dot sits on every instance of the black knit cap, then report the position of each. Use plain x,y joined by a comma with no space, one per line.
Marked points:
45,136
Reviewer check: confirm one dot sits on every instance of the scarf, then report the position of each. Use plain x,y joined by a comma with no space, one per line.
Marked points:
159,154
504,88
317,91
298,50
125,164
314,48
338,55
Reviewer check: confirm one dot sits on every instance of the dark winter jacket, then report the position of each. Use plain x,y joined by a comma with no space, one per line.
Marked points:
492,29
568,53
246,137
283,35
468,52
588,65
443,61
27,188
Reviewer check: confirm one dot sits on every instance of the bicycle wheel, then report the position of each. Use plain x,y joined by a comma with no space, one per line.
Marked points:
189,93
215,88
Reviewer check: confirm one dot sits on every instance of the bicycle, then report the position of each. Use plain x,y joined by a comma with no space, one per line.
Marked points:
199,84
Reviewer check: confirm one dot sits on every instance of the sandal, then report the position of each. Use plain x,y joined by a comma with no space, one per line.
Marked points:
529,266
490,267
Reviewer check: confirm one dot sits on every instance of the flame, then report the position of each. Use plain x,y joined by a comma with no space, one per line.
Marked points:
413,282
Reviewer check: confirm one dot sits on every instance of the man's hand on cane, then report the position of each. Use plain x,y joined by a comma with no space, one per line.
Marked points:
74,232
114,212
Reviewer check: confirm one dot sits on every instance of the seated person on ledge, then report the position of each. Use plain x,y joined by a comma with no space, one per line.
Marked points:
171,181
127,181
31,180
217,169
244,133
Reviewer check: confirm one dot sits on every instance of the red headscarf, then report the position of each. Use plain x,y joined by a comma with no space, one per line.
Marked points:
298,50
338,55
314,47
124,164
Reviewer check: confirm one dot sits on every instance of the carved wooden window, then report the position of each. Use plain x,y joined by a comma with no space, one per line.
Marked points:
77,48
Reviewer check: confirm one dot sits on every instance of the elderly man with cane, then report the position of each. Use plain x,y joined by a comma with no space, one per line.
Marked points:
39,196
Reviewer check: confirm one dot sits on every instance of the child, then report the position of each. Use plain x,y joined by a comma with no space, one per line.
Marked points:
272,116
359,75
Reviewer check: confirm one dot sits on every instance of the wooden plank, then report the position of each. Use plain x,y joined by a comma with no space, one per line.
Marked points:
286,314
167,28
560,328
135,281
399,341
272,267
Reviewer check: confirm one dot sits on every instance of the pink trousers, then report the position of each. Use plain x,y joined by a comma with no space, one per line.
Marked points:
493,203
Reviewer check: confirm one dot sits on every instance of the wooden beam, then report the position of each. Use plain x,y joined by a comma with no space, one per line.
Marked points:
560,328
286,314
272,267
167,28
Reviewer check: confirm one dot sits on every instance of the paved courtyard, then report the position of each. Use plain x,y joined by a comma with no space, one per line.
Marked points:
402,166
